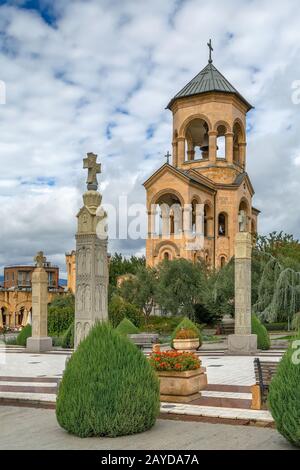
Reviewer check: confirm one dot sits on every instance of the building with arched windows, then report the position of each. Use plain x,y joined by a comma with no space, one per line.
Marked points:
197,204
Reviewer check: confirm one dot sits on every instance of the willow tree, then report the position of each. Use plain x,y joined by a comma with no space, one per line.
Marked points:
278,292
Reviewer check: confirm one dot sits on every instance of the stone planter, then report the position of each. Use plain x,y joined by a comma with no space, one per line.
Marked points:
182,387
190,344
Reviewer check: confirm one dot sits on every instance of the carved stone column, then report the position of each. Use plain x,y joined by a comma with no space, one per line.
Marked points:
212,139
91,260
242,342
229,147
39,341
181,151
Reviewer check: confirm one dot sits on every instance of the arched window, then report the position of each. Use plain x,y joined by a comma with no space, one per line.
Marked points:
237,144
222,261
221,142
222,225
243,216
196,140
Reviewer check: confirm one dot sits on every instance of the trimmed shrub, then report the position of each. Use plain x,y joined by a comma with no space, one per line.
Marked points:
108,387
276,326
119,308
284,397
126,327
67,340
263,339
25,333
187,324
161,325
59,319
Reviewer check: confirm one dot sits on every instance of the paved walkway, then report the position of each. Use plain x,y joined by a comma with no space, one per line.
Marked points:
34,377
31,428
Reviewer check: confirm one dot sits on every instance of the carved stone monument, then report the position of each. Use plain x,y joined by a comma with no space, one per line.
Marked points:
91,257
39,341
242,342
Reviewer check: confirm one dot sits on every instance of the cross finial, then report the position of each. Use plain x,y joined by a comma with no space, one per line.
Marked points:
168,155
40,259
94,168
210,51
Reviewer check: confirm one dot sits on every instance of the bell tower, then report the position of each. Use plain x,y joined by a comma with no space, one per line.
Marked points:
199,202
209,122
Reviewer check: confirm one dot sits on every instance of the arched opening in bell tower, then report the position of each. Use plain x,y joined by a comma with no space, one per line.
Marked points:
196,140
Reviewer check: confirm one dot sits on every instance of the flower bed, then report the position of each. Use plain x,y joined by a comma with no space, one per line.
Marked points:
174,361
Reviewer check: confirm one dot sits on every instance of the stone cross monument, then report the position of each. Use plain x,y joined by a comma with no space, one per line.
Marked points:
91,257
39,341
242,342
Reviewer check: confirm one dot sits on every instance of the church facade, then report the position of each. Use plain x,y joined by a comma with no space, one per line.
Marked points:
198,203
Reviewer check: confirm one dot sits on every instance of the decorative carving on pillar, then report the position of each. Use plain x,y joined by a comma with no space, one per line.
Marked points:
91,257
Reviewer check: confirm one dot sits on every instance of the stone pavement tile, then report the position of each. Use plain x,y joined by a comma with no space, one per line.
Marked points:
30,428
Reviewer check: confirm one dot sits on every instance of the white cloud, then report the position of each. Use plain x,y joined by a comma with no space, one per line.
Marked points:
98,79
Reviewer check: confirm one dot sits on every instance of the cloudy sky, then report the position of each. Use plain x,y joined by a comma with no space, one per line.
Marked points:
96,75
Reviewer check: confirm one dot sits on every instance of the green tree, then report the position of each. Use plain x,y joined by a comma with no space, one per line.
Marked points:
119,265
141,289
181,285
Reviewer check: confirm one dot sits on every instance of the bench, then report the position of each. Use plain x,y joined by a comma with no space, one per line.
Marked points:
144,340
264,372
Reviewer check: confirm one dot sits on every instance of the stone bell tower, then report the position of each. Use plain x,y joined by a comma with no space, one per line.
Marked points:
91,257
208,169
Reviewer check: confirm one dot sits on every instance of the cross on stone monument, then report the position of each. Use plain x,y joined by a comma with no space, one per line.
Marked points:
210,51
168,155
40,259
94,168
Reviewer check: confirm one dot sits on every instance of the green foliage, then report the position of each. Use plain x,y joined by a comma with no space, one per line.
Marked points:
119,308
281,246
126,327
204,316
25,333
59,319
187,324
67,340
218,294
108,387
283,326
296,322
263,339
64,301
118,265
284,397
141,289
181,286
161,325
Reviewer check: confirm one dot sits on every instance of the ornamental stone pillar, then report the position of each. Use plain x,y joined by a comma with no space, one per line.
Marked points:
91,296
243,341
39,341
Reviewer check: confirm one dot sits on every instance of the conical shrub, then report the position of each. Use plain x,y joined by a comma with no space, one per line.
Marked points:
25,333
284,395
187,324
67,341
126,327
263,339
108,387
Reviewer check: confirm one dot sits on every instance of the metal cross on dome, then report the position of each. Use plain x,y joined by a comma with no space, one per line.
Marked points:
94,169
210,51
